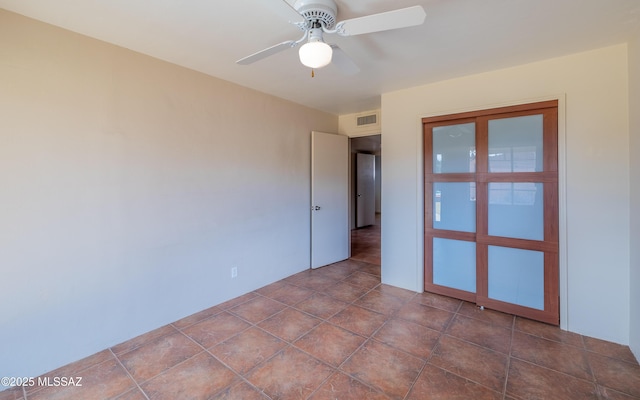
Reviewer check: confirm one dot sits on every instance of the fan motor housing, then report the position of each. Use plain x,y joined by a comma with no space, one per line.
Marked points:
323,11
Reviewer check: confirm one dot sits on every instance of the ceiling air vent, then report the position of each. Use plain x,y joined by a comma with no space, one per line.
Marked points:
367,120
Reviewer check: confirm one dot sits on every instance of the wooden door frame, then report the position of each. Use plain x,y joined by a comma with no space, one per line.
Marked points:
552,181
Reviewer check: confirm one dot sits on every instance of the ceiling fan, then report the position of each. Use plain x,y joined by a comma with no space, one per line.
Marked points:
317,17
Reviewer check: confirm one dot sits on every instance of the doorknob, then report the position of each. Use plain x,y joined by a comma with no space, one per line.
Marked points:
316,208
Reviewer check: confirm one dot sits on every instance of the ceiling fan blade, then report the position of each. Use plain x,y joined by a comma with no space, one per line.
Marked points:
401,18
269,51
293,15
344,63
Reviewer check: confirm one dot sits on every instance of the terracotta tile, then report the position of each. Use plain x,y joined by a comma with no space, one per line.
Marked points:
13,393
478,364
369,258
330,343
216,329
529,381
430,317
486,315
344,387
481,333
345,291
290,374
246,350
143,339
363,250
408,336
314,281
257,309
438,301
102,381
133,394
289,324
547,331
272,288
403,294
615,374
78,366
365,244
197,317
336,271
362,279
610,394
610,349
554,355
200,377
382,303
437,384
353,264
237,300
152,358
288,294
299,277
372,266
386,369
358,320
321,306
75,368
240,391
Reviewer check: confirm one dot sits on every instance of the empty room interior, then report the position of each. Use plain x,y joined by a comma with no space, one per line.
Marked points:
320,199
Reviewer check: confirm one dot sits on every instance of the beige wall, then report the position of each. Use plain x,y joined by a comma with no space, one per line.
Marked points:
634,152
130,187
592,87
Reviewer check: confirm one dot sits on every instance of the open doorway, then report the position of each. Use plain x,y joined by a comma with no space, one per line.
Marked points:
365,200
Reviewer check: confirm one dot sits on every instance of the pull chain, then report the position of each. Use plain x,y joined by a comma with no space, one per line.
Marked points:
313,74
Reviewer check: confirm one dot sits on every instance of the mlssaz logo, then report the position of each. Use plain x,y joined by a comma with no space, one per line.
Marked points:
60,381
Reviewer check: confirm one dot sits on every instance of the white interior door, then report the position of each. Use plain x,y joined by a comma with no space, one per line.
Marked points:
365,190
329,198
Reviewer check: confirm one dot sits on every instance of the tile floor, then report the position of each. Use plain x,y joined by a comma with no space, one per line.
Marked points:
337,333
365,243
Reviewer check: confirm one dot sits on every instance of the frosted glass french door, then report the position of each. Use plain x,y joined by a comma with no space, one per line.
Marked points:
491,208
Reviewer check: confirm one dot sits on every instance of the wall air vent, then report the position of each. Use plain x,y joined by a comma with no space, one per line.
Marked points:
367,120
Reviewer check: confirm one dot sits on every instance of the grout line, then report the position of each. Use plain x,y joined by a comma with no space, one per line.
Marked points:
204,350
288,344
238,374
508,366
551,369
127,351
585,354
130,376
441,333
338,369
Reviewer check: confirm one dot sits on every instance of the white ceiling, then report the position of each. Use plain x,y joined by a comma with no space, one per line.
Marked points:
459,37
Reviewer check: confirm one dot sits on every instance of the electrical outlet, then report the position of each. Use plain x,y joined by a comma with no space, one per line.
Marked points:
234,272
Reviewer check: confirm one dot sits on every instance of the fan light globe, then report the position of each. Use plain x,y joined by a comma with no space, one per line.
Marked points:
315,54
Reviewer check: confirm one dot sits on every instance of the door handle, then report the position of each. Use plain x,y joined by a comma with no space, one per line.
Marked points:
316,208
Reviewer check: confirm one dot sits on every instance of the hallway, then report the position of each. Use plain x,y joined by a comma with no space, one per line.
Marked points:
365,243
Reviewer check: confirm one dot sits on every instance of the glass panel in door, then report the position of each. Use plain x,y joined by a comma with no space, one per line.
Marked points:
515,144
454,148
516,210
516,276
454,205
454,264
